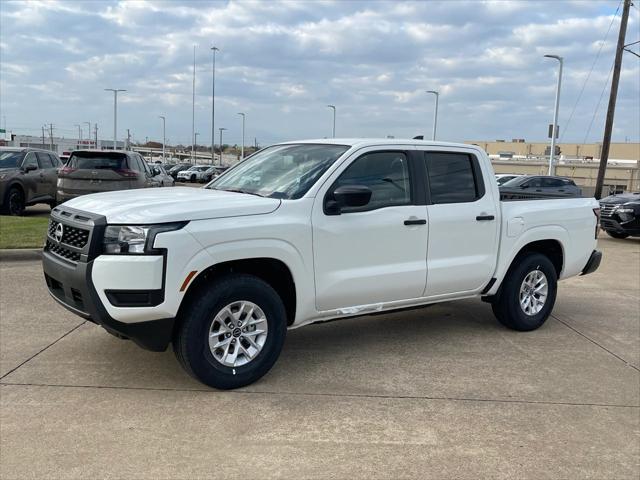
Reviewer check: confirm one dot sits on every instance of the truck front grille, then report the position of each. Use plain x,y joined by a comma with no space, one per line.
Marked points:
62,251
73,236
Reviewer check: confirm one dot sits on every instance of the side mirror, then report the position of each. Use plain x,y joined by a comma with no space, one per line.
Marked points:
348,196
156,171
526,185
30,168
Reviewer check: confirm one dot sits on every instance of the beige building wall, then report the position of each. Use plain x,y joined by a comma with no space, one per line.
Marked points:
618,151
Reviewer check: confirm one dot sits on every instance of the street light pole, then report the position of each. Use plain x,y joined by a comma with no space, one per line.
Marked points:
213,103
554,128
164,138
79,135
333,107
221,130
115,113
88,132
242,149
193,109
435,114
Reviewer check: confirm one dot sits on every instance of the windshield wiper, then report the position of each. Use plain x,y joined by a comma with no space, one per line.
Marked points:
238,190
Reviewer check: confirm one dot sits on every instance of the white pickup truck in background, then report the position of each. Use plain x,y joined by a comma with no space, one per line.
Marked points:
310,231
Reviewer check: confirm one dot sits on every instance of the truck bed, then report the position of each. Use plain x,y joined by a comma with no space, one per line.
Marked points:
509,195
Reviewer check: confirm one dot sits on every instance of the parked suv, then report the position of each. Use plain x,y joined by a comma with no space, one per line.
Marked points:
193,174
27,176
173,171
93,171
535,184
621,215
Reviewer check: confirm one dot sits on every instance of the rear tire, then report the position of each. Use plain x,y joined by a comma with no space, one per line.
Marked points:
14,202
618,235
528,293
192,342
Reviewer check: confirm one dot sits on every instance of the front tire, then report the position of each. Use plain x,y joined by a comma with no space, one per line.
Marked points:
528,293
193,178
14,202
618,235
231,331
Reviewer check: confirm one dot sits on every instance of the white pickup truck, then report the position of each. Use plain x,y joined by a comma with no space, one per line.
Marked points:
306,232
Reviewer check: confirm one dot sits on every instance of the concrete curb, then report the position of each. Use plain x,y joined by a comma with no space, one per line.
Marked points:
20,254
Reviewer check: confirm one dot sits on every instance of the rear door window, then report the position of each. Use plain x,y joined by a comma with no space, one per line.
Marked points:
453,177
45,160
97,161
552,183
534,183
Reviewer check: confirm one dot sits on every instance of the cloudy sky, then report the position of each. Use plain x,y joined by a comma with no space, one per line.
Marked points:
283,62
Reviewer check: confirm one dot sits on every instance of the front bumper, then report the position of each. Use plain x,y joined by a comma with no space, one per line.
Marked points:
68,274
593,263
631,227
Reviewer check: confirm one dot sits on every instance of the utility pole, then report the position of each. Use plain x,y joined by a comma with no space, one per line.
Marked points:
43,136
128,145
608,127
96,130
51,136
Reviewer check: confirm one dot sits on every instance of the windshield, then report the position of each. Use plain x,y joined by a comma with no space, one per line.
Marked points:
98,161
503,180
281,171
10,159
514,182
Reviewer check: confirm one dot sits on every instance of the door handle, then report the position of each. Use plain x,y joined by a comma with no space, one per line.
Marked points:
416,221
481,218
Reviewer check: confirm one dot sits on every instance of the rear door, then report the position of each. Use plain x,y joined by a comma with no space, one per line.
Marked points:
91,172
376,253
463,225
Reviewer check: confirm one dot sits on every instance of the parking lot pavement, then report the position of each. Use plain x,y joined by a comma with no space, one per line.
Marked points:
442,392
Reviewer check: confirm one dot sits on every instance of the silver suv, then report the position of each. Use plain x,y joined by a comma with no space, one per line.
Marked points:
93,171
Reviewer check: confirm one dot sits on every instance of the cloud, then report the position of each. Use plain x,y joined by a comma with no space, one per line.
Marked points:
283,61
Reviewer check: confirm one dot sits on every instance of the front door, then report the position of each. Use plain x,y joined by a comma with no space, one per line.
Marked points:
375,253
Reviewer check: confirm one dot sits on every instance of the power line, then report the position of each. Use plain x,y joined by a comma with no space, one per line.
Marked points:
575,105
606,83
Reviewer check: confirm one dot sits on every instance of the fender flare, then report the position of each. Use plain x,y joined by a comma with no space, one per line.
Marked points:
536,234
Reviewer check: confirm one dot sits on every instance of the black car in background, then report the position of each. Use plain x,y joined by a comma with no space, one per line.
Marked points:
542,184
27,176
620,215
177,169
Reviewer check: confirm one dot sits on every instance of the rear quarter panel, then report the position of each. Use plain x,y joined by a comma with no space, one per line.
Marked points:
570,221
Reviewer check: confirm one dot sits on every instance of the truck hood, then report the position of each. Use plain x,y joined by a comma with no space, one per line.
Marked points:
171,204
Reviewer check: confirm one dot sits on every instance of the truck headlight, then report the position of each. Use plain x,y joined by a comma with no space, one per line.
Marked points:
134,239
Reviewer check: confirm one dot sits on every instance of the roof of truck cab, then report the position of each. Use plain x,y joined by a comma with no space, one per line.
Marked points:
364,142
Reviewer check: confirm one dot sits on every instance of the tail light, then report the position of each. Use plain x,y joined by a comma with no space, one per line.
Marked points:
66,170
125,172
596,212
